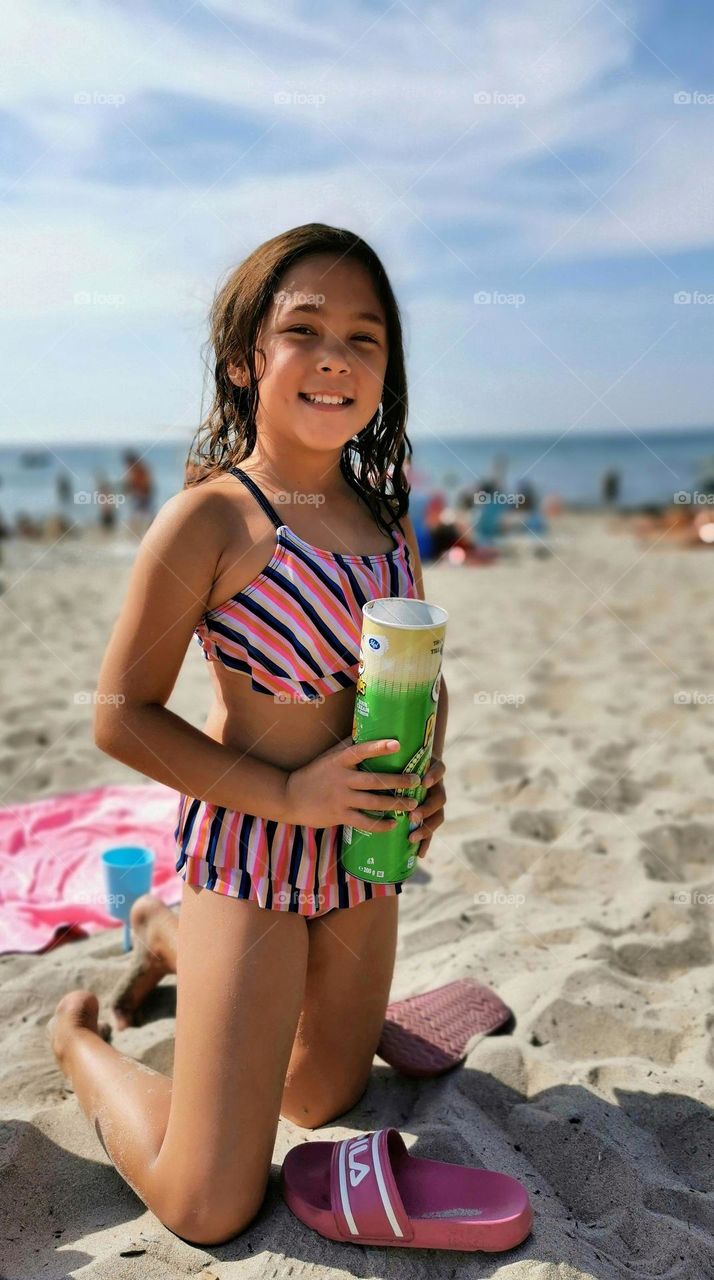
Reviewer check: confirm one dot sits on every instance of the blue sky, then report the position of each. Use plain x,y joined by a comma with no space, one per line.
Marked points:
530,152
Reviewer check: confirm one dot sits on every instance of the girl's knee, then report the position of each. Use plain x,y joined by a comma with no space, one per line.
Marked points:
203,1222
316,1112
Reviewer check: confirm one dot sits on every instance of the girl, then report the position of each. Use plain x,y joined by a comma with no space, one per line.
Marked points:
283,961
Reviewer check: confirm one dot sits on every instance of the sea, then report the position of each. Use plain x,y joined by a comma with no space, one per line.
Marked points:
651,467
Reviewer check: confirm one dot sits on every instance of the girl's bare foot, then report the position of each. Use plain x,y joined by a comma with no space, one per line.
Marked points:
78,1009
154,927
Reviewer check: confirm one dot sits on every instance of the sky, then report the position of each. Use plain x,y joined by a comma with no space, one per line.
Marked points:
536,175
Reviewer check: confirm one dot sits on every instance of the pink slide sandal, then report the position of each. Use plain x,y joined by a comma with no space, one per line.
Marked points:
369,1190
428,1034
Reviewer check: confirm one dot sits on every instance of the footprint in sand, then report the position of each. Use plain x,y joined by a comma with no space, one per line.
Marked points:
503,860
21,738
577,1030
616,797
611,757
661,961
541,824
679,853
683,1128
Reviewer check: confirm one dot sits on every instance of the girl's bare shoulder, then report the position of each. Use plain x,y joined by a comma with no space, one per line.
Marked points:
213,509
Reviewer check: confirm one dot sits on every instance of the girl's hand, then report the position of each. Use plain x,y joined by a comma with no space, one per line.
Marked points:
431,807
331,790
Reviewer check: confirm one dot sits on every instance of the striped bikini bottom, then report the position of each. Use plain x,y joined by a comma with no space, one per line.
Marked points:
280,865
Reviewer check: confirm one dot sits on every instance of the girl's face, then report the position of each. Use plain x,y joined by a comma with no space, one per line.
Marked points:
324,333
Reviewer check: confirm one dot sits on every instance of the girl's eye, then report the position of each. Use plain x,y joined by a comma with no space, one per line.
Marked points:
307,329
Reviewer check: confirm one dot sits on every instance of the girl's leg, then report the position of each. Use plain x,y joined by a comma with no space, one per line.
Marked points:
197,1150
350,965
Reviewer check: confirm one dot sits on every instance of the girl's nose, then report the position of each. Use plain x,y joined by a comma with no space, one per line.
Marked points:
335,362
334,366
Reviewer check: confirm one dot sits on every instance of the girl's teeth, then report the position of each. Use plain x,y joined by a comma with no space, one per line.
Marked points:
327,399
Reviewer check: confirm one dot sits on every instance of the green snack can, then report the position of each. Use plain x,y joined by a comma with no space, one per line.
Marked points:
397,696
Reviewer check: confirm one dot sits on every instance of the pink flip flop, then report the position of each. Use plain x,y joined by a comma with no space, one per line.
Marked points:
369,1190
428,1034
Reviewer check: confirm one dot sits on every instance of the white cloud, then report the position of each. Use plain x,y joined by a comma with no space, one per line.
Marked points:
484,196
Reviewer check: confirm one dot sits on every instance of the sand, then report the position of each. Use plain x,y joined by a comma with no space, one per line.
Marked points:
573,874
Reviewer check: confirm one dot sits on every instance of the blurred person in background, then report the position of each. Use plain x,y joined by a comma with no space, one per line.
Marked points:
138,485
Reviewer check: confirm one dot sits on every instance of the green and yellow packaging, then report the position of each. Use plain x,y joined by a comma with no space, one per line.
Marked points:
397,696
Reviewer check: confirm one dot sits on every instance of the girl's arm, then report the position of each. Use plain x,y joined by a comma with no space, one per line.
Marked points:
168,590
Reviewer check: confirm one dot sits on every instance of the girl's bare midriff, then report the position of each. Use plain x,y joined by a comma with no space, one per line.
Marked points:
285,734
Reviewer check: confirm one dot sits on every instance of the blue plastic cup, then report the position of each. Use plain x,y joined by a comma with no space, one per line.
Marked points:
128,870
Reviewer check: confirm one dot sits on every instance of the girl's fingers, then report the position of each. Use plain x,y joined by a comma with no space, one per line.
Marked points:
427,828
434,773
365,780
364,823
357,751
370,800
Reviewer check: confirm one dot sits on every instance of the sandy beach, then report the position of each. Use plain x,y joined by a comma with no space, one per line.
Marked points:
573,875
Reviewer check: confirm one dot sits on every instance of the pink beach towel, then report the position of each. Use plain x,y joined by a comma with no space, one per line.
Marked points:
51,884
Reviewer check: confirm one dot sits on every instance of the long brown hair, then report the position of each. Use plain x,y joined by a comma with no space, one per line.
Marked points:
227,434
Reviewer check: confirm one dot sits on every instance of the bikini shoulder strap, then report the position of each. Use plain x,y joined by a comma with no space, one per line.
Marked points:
258,495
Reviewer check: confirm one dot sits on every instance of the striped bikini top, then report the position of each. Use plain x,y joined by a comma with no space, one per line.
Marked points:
296,628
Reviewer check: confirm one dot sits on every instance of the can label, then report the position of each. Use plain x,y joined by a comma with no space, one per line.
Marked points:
397,694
